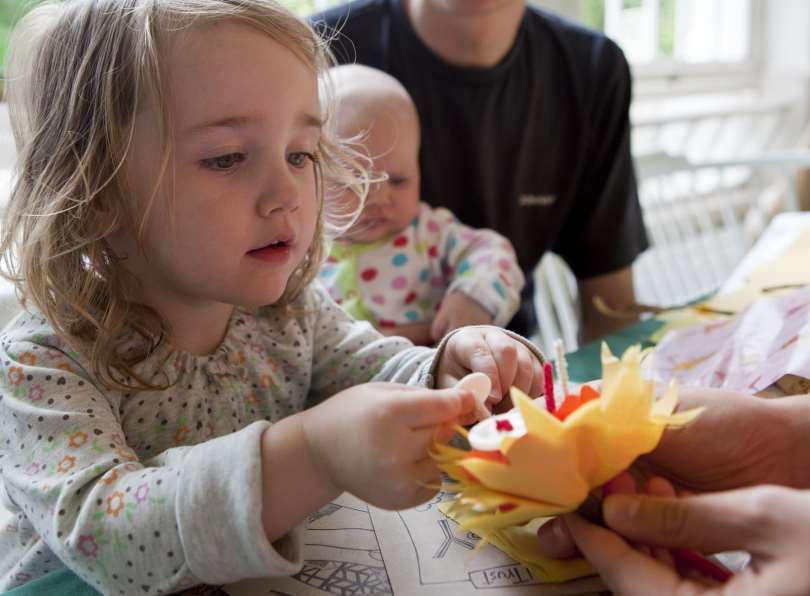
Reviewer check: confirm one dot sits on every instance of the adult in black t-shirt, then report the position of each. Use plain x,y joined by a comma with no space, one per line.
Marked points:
525,129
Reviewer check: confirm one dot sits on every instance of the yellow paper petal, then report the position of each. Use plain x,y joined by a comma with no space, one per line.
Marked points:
553,466
520,543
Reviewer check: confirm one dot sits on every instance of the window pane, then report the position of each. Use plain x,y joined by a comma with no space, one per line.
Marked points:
686,31
716,31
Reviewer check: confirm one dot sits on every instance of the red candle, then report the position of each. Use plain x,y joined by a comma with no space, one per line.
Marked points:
548,382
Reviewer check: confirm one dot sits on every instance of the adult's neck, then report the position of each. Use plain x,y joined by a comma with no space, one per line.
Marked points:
474,36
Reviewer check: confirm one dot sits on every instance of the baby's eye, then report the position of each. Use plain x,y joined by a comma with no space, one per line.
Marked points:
223,162
299,159
397,180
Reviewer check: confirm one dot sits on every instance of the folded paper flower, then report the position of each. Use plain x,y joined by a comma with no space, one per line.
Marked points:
530,463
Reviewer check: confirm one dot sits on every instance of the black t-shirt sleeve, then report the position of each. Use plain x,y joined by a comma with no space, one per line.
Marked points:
604,231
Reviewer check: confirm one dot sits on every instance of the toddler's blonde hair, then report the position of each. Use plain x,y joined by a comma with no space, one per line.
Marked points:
78,72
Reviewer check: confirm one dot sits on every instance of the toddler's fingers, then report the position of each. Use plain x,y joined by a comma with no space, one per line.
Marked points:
537,387
445,432
425,473
421,440
504,351
434,407
473,353
524,375
506,360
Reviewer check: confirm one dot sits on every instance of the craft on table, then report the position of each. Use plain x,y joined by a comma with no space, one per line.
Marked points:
539,460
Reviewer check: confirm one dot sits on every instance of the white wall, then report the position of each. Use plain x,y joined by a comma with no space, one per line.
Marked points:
786,36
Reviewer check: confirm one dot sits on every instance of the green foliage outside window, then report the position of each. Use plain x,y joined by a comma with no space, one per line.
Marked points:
10,13
592,13
12,10
666,33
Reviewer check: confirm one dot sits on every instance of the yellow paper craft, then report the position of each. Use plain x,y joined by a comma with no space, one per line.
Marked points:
520,543
538,465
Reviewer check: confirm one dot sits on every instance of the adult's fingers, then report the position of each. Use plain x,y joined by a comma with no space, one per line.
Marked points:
555,540
746,519
622,483
660,487
625,570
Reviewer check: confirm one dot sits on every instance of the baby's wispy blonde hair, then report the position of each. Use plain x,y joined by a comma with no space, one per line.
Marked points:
78,72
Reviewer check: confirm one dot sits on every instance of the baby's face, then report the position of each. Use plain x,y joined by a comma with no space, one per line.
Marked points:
393,144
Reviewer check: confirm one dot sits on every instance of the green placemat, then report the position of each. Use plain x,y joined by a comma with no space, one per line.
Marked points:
57,583
586,365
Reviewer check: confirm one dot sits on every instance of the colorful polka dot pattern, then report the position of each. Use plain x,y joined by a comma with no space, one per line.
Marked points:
403,279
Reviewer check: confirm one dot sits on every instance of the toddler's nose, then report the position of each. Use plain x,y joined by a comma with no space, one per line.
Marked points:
282,195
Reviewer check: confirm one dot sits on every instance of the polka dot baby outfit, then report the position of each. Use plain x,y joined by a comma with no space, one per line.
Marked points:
403,278
152,491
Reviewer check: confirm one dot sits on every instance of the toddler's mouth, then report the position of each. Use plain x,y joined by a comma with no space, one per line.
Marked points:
278,249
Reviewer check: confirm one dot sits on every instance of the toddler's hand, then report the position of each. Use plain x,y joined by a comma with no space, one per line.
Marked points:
372,440
457,310
506,361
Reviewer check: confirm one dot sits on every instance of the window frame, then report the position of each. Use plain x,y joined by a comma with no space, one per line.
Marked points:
667,76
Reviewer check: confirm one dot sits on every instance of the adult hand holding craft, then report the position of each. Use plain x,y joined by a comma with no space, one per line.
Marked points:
769,522
763,442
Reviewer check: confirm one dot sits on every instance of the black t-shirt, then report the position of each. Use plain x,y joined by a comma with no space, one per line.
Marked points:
536,147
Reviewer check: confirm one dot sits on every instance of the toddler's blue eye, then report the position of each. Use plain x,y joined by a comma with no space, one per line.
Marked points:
299,159
224,162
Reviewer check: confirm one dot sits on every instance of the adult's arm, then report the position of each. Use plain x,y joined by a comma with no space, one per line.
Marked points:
616,289
604,231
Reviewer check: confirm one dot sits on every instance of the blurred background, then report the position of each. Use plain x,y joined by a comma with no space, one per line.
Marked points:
720,134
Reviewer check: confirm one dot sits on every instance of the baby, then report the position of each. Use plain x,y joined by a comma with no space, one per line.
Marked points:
408,268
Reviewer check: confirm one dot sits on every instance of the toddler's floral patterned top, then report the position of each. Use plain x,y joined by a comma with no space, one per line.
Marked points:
135,491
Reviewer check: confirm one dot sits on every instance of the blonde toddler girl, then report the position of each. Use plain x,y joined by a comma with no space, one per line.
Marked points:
179,396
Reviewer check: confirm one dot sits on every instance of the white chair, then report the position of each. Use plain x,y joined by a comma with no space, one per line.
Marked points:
556,304
702,218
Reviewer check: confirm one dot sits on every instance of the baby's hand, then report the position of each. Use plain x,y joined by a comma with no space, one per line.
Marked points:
490,350
372,440
457,310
